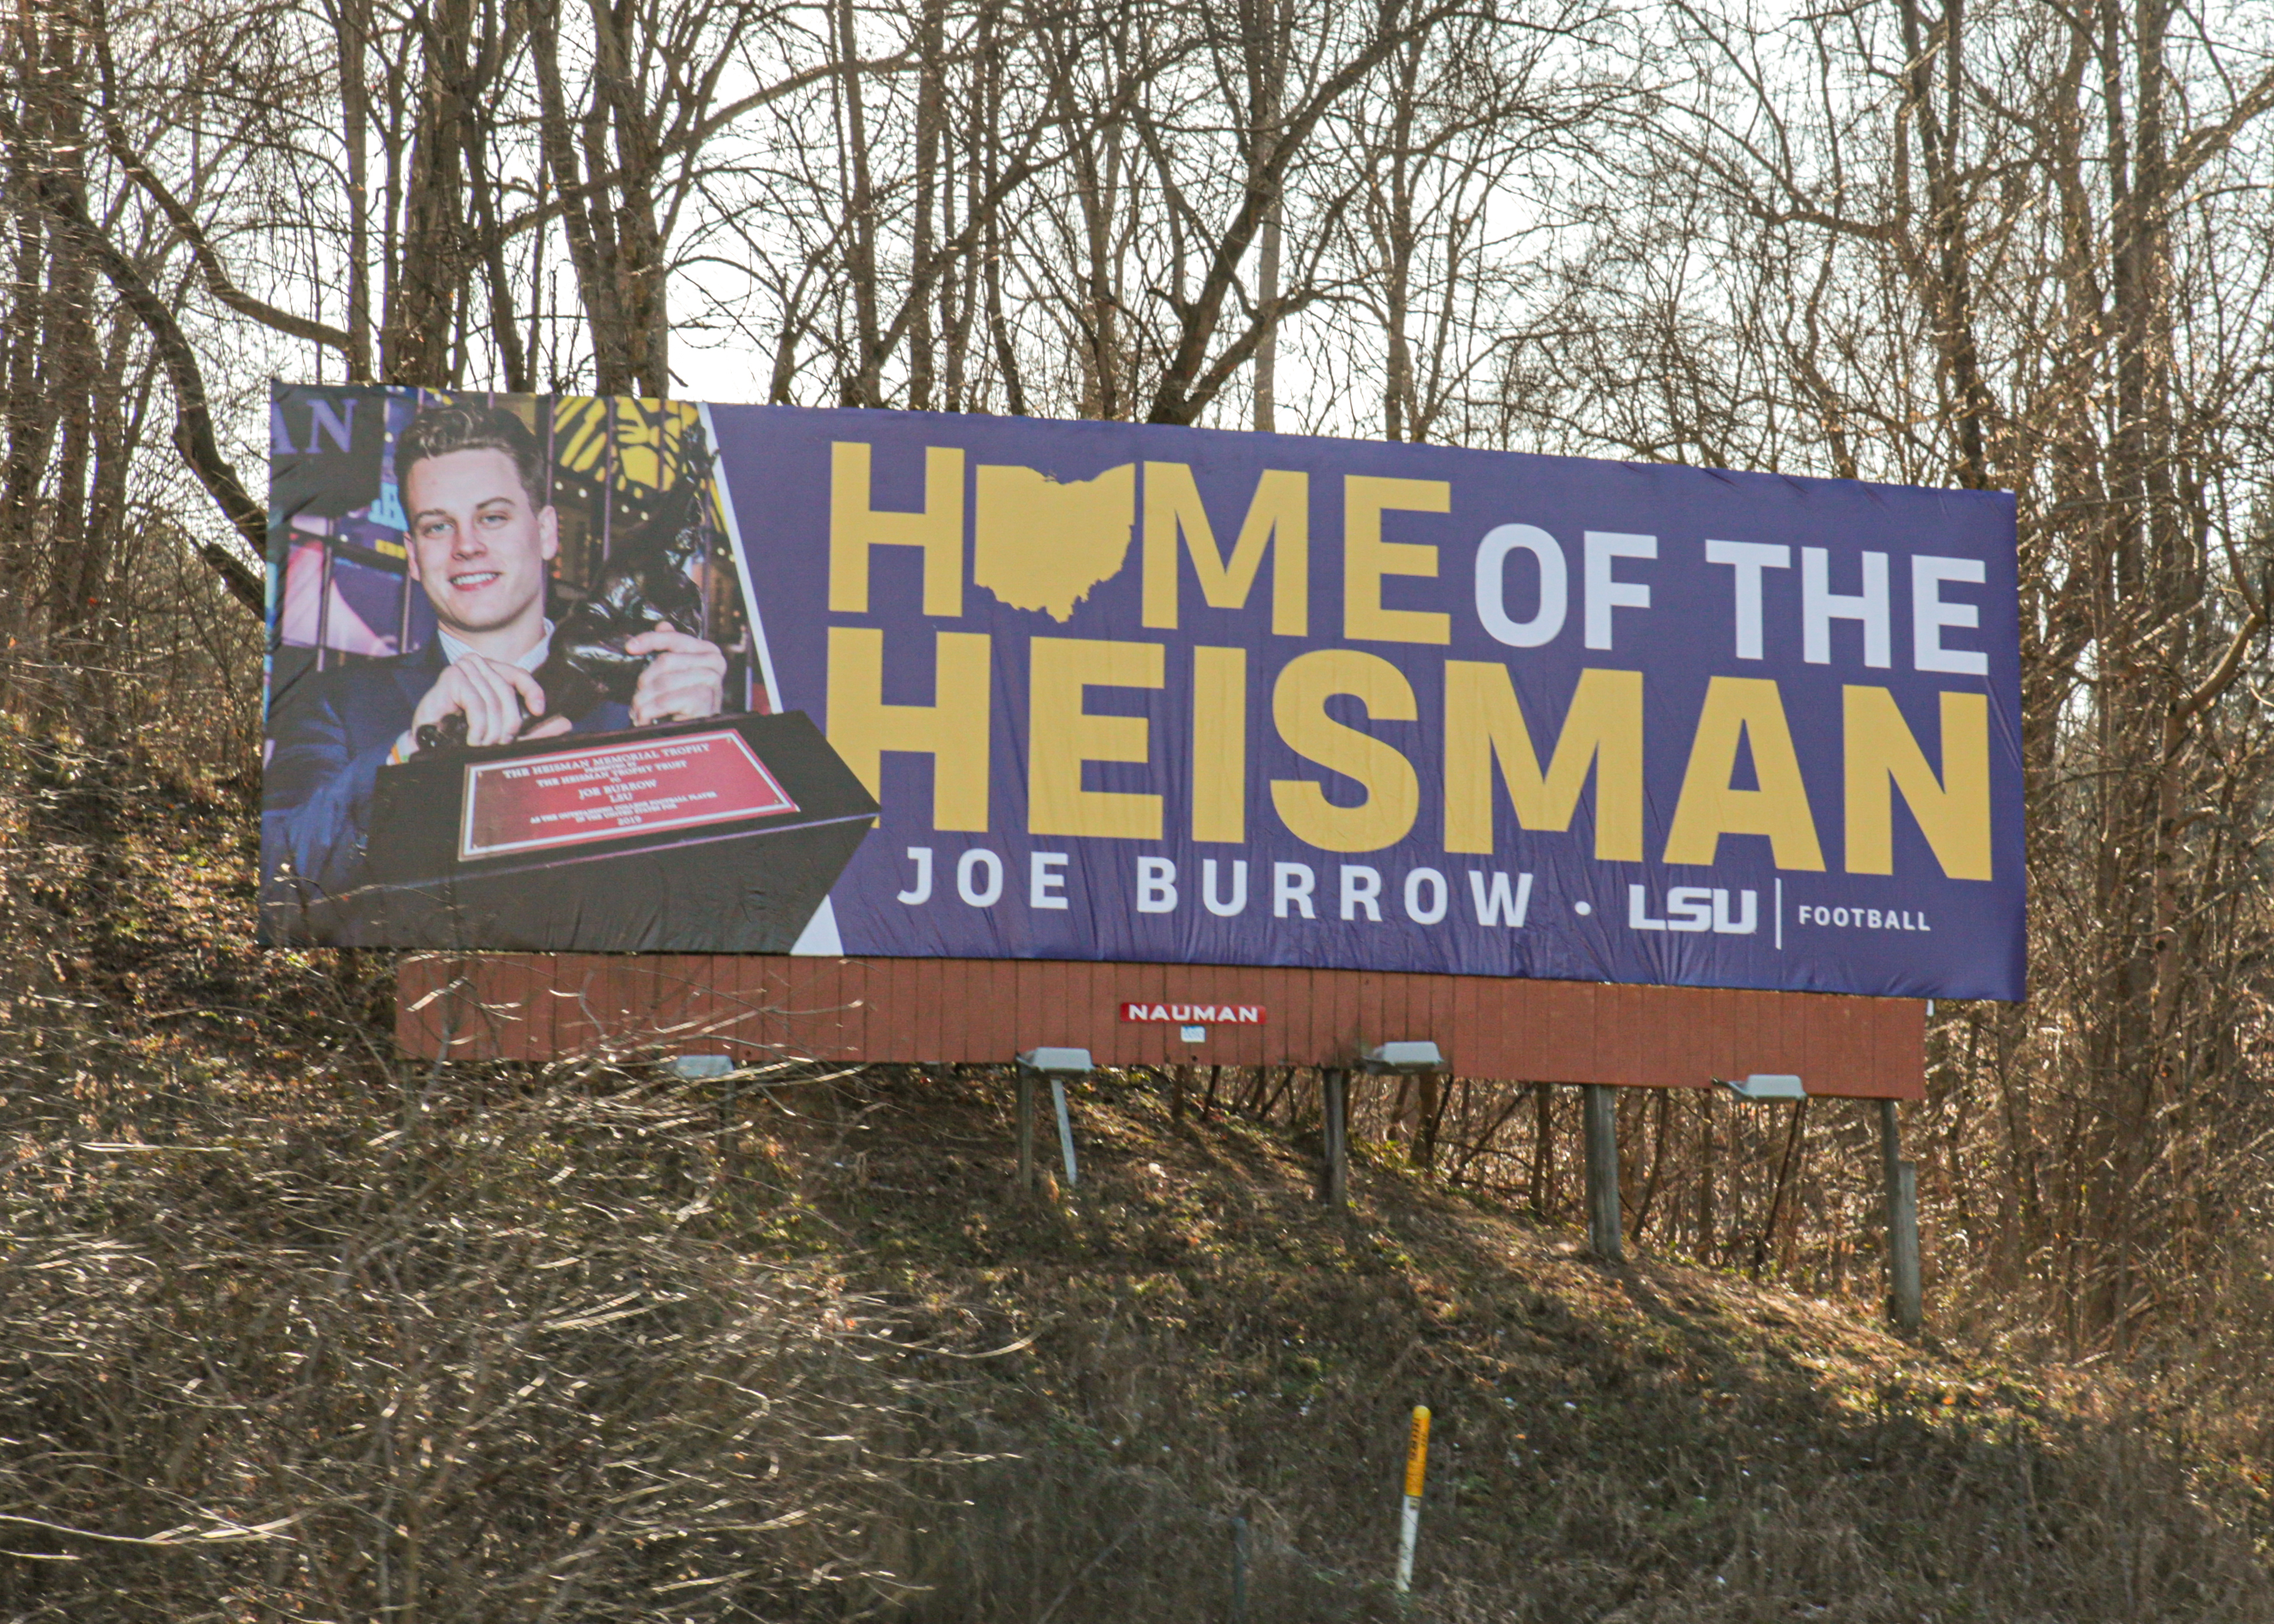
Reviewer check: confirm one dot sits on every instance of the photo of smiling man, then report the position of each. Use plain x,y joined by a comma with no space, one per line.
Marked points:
481,537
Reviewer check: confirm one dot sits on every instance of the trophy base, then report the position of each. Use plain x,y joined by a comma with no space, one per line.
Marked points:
717,836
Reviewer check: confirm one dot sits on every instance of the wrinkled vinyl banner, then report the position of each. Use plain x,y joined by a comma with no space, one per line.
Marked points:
1163,694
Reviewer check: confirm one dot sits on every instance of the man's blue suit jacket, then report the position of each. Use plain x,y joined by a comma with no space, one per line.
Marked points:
331,734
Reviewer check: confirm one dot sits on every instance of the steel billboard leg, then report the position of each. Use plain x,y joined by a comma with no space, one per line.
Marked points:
1026,1131
1907,1305
1066,1130
1601,1135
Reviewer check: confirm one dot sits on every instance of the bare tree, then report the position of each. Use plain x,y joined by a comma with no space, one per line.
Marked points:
2008,249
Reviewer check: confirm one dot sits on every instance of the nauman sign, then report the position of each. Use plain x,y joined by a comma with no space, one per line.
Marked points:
1173,695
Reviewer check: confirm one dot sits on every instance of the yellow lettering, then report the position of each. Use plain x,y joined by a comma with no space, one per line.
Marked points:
1061,736
1279,511
1747,709
1366,558
1953,810
1220,744
1601,730
854,527
952,729
1393,794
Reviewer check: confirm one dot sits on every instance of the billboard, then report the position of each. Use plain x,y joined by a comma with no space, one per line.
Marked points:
980,688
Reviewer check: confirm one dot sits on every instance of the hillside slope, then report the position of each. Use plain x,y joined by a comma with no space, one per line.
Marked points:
1654,1441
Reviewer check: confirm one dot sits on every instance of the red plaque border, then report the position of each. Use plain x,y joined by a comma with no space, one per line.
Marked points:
468,851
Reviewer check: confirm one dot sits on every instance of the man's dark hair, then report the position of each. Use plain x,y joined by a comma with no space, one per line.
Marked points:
440,430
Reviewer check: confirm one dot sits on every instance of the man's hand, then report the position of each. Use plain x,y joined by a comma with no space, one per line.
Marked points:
494,697
686,678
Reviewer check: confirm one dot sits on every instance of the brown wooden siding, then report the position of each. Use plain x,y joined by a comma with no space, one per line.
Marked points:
529,1006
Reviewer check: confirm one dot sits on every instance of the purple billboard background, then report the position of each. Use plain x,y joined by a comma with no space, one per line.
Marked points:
1915,932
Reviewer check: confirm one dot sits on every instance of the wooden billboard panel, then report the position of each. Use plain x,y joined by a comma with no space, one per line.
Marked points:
538,1006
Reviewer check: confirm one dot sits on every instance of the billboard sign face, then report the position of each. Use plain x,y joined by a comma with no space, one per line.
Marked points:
1119,692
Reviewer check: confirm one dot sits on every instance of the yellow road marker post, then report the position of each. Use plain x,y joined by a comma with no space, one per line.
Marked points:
1417,1468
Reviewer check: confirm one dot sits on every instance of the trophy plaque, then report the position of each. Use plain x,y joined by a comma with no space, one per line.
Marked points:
633,786
721,835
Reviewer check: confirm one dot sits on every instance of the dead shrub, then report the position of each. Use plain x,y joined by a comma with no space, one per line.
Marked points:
486,1349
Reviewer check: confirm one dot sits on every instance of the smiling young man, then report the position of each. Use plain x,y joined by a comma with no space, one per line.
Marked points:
481,542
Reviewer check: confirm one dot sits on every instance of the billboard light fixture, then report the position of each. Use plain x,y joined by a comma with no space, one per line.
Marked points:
1057,1062
1405,1055
1761,1087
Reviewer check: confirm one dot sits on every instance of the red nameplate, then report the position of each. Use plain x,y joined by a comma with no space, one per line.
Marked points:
1195,1014
537,803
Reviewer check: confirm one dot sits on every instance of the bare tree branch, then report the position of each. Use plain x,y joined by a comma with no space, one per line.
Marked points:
193,433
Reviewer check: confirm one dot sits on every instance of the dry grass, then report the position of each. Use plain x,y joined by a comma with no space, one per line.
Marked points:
1654,1442
291,1330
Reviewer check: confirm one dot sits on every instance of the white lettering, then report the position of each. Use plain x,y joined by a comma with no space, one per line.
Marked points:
1238,902
967,866
1930,616
1494,904
1426,913
1046,879
919,893
1156,885
1638,911
1690,908
1361,889
1492,587
1821,606
1605,594
1291,887
1749,918
1747,558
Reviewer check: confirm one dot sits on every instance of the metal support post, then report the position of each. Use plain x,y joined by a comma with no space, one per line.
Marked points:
1906,1304
1891,1145
1026,1131
1334,1090
1910,1306
1065,1128
1602,1121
